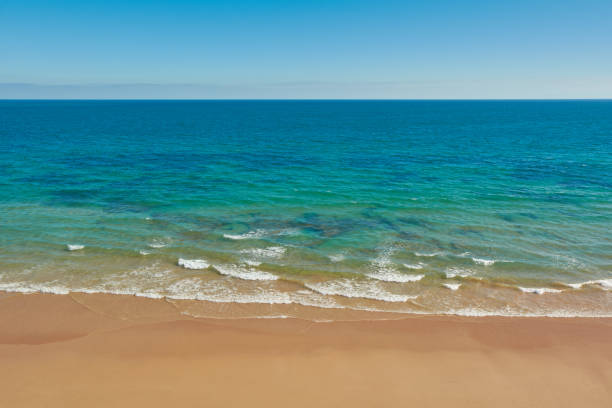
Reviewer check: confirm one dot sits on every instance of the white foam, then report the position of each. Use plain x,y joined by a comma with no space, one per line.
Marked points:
415,266
452,286
269,252
337,257
385,270
429,254
30,287
393,276
457,272
605,284
193,263
539,291
143,252
246,273
260,233
485,262
157,244
356,289
196,289
74,247
144,272
252,263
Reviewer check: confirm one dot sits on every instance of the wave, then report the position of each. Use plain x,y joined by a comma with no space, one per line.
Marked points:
23,287
193,263
420,265
196,289
605,284
393,276
74,247
157,244
269,252
355,289
260,233
337,257
385,270
485,262
452,286
242,272
539,291
430,254
458,273
186,289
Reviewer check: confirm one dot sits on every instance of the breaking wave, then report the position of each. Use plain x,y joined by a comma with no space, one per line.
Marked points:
193,263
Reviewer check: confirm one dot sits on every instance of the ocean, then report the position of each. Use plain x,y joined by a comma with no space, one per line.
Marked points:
288,207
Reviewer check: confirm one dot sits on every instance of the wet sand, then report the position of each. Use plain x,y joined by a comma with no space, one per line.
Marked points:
108,350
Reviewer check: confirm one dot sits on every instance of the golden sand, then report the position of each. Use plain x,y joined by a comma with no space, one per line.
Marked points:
110,351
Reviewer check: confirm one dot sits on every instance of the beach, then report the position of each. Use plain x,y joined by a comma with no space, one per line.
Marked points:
305,204
305,253
99,350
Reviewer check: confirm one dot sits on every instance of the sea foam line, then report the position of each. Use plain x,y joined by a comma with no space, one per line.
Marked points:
268,298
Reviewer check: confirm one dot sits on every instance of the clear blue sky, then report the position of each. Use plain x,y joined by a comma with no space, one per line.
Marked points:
307,49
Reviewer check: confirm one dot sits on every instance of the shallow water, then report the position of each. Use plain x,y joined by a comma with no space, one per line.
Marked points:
500,207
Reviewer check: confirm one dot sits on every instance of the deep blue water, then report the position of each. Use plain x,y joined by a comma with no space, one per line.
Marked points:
375,204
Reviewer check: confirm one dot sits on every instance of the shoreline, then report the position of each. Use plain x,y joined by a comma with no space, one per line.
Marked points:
294,308
113,350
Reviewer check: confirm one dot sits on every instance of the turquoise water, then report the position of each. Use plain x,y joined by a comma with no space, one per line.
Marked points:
467,207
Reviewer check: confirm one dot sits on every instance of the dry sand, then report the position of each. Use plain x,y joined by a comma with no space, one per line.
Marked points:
110,351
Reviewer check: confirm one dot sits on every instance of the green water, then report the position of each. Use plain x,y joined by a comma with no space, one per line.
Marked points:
499,207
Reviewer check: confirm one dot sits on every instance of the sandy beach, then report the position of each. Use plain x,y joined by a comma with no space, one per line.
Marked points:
108,350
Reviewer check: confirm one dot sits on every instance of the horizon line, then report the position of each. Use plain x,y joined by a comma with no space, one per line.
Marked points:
305,99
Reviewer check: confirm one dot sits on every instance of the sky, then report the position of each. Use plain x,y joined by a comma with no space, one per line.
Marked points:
306,49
